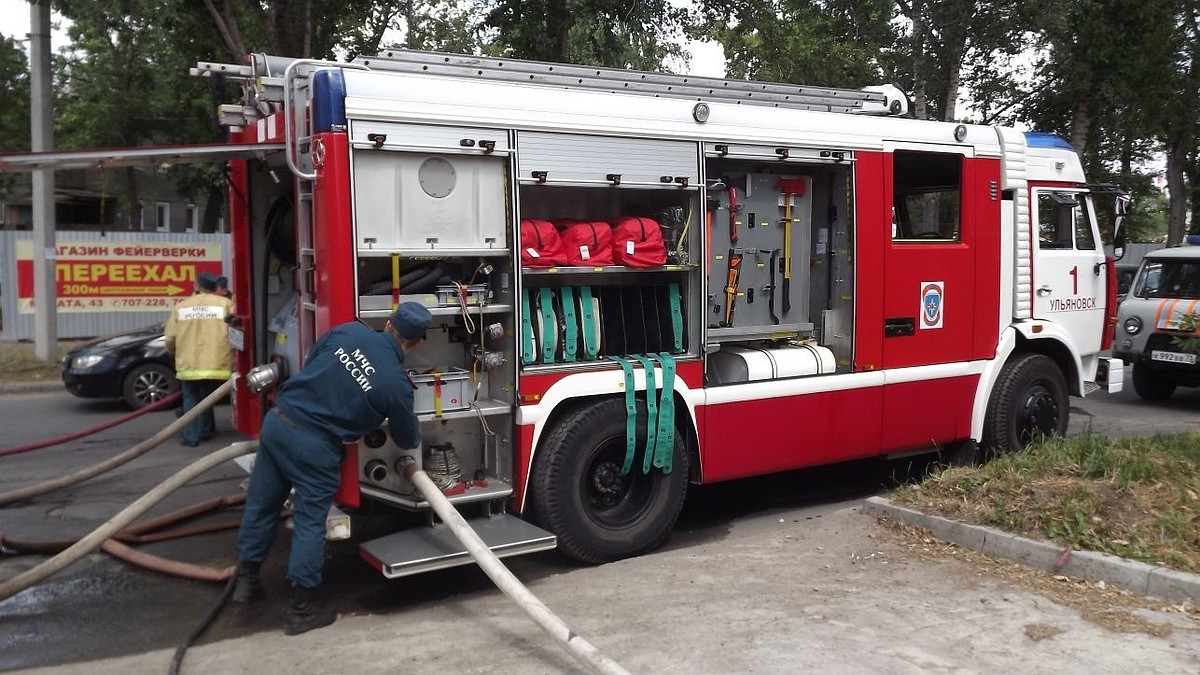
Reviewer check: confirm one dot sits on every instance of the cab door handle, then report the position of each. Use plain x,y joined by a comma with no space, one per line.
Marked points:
1044,290
899,326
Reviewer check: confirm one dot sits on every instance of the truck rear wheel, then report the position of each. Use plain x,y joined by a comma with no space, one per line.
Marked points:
1029,401
580,495
1150,385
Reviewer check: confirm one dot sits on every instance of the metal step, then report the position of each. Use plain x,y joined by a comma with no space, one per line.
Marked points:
424,549
878,100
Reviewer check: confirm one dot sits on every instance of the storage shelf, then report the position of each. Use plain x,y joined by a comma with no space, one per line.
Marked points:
384,252
607,269
487,406
769,332
496,489
497,308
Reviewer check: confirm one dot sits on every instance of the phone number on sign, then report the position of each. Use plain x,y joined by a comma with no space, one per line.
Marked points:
147,303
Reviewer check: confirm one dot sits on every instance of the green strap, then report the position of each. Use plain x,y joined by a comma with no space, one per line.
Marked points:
651,410
566,296
630,414
664,450
527,356
676,318
549,336
587,319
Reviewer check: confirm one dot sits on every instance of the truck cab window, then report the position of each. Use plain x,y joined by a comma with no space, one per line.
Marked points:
927,196
1064,222
1170,279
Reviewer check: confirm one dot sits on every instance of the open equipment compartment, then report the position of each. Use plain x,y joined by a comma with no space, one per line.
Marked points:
432,226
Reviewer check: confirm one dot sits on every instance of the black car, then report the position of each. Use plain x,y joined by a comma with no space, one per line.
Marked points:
134,365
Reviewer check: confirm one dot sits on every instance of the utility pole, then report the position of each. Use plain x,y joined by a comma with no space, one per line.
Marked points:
45,314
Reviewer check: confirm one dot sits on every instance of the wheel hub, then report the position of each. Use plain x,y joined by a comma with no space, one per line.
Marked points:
606,482
1039,415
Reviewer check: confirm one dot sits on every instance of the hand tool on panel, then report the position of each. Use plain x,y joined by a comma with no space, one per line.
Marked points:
791,189
733,272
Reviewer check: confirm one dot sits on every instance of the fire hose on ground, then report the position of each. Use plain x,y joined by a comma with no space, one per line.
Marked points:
584,651
67,438
146,532
118,522
125,457
105,537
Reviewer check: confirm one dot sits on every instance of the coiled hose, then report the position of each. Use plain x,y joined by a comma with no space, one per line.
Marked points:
118,522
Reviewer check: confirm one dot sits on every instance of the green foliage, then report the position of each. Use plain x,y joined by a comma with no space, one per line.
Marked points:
14,91
1137,497
613,33
1189,341
14,113
843,44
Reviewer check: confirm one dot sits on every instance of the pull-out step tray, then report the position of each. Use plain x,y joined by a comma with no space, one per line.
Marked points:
424,549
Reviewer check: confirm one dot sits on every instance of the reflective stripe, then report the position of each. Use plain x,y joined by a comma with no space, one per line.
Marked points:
202,375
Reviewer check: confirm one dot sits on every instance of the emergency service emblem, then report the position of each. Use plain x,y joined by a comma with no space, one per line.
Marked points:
932,296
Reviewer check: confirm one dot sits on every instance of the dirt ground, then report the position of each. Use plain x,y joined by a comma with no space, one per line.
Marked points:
815,589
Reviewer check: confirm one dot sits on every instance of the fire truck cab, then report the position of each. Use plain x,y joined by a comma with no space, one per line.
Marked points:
641,282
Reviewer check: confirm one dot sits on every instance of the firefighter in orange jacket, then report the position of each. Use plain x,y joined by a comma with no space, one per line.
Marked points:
197,335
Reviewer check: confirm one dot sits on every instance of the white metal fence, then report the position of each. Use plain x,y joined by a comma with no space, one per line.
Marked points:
107,282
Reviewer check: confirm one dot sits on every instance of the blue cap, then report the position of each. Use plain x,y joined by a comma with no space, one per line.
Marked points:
223,281
411,319
207,281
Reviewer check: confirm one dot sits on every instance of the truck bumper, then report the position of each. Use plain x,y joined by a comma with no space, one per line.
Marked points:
1110,374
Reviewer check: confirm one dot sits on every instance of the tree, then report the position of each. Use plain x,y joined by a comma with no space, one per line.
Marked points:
14,114
838,43
613,33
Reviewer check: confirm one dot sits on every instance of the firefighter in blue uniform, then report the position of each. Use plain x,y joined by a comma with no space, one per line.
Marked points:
354,377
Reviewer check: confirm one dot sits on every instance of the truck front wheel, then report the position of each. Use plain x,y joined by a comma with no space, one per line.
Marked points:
1029,401
580,495
1150,385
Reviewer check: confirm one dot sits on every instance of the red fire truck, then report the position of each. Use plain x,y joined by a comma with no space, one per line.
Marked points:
642,282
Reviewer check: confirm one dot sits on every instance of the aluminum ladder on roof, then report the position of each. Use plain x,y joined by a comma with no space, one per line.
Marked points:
884,100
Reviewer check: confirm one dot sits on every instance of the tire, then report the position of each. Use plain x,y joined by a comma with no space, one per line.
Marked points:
963,454
1150,385
1030,401
579,495
148,383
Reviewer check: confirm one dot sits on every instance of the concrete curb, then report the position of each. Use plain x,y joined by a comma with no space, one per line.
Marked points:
31,387
1142,578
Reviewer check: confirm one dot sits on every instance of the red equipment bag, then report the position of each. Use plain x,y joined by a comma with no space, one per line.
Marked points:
541,245
638,242
587,243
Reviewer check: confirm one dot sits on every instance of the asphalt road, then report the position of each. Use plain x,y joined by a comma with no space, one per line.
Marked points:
101,608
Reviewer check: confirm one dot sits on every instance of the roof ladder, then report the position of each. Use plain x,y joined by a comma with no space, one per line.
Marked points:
884,100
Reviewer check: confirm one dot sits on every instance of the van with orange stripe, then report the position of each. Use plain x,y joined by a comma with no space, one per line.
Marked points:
1158,331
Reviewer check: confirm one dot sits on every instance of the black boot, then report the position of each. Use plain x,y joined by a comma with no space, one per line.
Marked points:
248,587
305,613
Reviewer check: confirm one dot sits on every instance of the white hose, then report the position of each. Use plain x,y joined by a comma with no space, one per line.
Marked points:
136,451
118,522
581,649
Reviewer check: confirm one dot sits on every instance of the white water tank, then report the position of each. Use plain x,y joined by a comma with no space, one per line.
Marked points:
738,363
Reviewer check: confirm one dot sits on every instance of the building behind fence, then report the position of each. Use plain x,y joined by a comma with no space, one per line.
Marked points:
106,282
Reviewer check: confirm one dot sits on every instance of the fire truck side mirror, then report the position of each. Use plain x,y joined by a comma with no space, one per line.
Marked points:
1120,226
